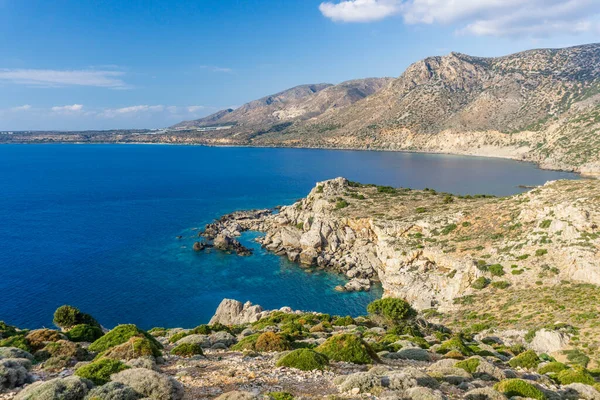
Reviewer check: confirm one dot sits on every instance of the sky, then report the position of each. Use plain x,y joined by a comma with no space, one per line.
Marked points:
110,64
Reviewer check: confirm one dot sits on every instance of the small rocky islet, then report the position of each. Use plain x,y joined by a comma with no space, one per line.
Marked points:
484,298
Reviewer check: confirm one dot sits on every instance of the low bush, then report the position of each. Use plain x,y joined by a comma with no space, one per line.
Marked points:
304,359
552,368
480,283
187,350
392,309
135,347
281,396
17,341
270,341
470,365
520,388
349,348
120,335
496,269
575,375
100,371
527,360
343,321
40,337
7,330
247,343
85,333
454,344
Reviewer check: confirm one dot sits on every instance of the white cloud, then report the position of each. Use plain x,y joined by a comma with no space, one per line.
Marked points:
58,78
68,109
24,107
490,17
359,10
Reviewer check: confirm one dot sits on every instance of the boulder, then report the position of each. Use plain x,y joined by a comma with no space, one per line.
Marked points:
202,340
233,312
547,341
150,383
71,388
581,391
414,353
224,338
485,393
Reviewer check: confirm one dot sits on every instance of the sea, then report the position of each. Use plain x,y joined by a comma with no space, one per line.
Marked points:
96,226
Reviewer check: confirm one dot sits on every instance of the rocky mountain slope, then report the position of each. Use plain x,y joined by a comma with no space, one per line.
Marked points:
539,105
276,112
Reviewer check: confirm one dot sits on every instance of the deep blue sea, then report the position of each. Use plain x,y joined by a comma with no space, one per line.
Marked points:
95,226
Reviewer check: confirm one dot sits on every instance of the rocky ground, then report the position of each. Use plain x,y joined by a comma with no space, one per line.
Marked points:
392,353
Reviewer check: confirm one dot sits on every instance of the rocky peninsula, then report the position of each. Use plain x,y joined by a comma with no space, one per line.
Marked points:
484,298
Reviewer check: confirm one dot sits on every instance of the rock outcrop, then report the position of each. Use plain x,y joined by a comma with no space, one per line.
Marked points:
233,312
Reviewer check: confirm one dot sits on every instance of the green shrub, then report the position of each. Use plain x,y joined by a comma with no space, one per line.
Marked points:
320,189
7,330
349,348
552,368
120,335
386,189
304,359
541,252
100,371
176,337
528,360
341,203
85,333
500,284
187,350
247,343
68,316
470,365
281,396
202,330
135,347
392,309
496,269
576,356
270,341
17,341
480,283
454,344
158,332
545,224
519,387
343,321
420,210
575,375
448,228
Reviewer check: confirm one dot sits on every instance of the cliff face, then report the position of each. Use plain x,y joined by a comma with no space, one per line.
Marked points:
432,248
538,105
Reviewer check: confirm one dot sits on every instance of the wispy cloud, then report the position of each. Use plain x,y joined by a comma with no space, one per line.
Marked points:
56,78
24,107
214,68
534,18
68,109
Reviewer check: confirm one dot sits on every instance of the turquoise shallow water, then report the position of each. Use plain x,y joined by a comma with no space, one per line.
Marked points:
95,225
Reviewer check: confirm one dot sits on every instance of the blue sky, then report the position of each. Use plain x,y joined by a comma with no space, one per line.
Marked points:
108,64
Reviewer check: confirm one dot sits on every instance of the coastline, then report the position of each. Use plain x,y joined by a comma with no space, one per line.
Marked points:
541,166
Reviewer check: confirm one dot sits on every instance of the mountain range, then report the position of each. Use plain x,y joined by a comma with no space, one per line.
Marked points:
539,105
